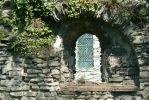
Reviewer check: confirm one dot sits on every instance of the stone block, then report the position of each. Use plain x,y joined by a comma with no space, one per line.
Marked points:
42,84
6,69
2,77
31,94
55,72
143,61
64,69
4,96
42,65
2,88
144,68
17,94
36,80
47,94
3,59
42,75
129,82
138,39
142,80
35,87
44,88
48,80
37,60
31,75
33,71
47,98
54,88
117,79
144,74
22,88
54,63
16,73
124,97
138,98
45,71
28,98
5,83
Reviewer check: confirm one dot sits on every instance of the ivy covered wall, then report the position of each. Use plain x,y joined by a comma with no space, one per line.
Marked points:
31,69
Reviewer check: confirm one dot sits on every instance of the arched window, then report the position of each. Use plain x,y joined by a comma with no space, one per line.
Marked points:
88,60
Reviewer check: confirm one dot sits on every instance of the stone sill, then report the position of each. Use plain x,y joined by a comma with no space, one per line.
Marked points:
102,87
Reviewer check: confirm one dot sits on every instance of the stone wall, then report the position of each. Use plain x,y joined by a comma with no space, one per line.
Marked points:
40,77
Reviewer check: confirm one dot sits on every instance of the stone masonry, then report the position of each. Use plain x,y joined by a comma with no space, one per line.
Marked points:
40,77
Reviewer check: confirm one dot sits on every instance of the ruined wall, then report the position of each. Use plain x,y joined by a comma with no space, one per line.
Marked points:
40,77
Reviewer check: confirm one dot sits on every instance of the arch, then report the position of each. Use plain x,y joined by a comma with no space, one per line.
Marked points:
111,40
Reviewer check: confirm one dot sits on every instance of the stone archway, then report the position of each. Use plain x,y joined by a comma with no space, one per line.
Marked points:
115,52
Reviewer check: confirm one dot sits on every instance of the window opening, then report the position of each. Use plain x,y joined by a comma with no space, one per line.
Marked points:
88,58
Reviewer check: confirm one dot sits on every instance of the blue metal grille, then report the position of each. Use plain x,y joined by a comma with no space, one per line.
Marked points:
85,51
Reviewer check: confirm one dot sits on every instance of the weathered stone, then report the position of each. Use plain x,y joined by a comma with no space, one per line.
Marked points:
47,94
35,87
143,61
54,84
54,88
2,88
125,97
42,83
56,77
137,98
55,72
37,60
142,80
44,87
17,94
3,59
64,69
36,80
31,75
144,74
4,96
42,75
31,94
5,83
48,80
46,98
117,79
42,65
2,77
16,73
129,82
40,94
22,88
138,39
6,70
33,71
28,98
46,71
54,63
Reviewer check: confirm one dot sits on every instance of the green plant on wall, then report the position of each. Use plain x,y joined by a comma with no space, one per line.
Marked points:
32,20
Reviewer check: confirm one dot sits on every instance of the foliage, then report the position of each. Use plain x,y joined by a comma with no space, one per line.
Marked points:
3,34
32,20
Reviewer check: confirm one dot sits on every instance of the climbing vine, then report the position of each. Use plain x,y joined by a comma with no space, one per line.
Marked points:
33,21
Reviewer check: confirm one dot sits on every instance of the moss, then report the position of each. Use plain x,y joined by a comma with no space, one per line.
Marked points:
3,34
